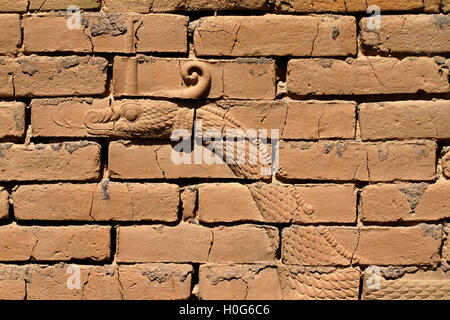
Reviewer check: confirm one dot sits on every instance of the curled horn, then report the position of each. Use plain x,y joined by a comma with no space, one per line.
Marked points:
197,78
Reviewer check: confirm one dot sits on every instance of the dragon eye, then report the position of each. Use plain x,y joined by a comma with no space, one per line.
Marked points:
131,113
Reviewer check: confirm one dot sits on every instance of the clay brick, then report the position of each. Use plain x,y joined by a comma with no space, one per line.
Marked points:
12,120
127,161
47,162
233,202
10,40
405,120
146,6
107,201
305,120
54,283
407,285
12,282
54,243
34,76
343,161
354,5
405,202
445,5
183,243
81,117
367,76
238,282
13,5
302,283
161,77
261,36
47,5
244,244
419,34
110,33
333,246
189,197
155,281
446,161
4,203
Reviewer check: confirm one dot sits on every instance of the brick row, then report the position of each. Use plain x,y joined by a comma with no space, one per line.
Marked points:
108,282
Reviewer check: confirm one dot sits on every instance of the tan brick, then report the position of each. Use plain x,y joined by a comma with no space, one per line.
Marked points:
366,76
353,5
59,161
405,120
189,197
161,77
34,76
47,5
406,202
332,246
12,119
446,161
155,281
233,202
10,40
239,282
407,285
12,282
110,33
303,283
261,36
445,5
305,120
82,117
4,203
146,6
183,243
13,5
128,161
417,34
244,244
54,243
107,201
56,282
343,161
162,33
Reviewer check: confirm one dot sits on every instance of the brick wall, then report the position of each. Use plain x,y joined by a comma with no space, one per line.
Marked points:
93,205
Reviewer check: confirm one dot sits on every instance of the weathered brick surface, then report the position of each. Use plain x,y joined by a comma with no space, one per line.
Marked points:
10,41
224,149
408,285
333,246
234,202
34,76
107,201
342,6
405,120
261,36
54,243
405,202
12,282
4,203
12,120
367,76
295,120
59,161
160,77
343,161
155,281
408,34
47,5
106,33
